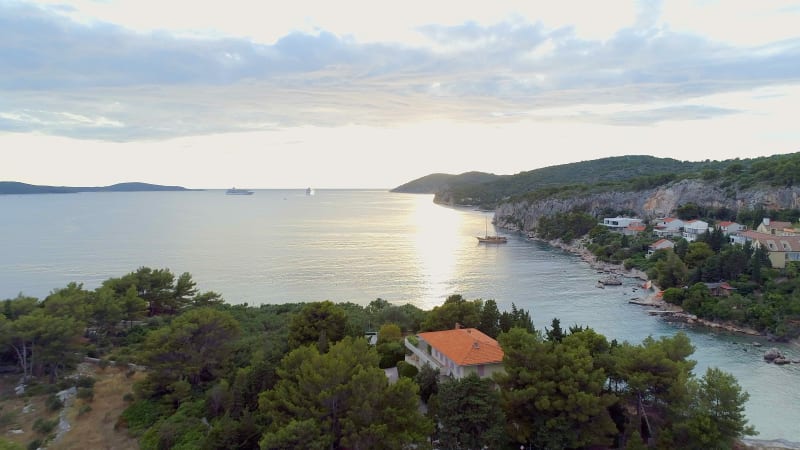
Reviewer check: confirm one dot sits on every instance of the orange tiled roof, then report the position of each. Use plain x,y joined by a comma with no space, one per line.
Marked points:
660,242
778,225
465,346
638,227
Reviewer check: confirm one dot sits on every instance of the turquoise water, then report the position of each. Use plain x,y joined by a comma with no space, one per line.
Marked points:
283,246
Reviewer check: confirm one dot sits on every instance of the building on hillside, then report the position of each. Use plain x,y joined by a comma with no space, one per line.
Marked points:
693,229
721,289
456,353
730,227
668,227
776,228
780,249
620,224
661,244
634,229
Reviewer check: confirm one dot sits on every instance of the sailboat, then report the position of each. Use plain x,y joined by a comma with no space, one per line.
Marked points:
486,239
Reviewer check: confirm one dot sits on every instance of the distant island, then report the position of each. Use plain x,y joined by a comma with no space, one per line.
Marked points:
14,187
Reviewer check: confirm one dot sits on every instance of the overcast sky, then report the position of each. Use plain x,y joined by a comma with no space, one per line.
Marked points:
372,94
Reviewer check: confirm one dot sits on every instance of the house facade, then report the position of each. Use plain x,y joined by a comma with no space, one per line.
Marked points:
621,224
668,226
634,229
775,227
780,249
456,353
693,229
730,227
660,244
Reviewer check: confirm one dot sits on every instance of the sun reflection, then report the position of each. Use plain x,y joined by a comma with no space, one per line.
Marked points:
436,239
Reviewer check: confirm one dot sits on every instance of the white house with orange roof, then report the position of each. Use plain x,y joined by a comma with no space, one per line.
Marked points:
728,227
634,228
668,226
660,244
692,229
456,353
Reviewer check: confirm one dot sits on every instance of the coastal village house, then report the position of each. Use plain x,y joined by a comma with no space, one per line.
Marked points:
660,244
730,227
621,224
776,228
634,229
781,249
456,353
692,229
668,227
721,289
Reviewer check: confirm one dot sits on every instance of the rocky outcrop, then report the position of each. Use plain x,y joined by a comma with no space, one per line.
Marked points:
648,204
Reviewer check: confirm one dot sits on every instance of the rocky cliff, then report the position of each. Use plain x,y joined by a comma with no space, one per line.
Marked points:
649,204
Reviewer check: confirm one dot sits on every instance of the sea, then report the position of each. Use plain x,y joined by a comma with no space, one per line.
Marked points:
283,246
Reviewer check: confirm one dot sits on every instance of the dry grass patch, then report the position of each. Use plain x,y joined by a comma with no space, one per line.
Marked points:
19,413
92,421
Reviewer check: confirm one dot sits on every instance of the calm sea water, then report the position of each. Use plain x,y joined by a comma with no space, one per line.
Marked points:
280,246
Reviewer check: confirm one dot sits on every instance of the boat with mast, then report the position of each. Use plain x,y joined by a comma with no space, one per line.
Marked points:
486,239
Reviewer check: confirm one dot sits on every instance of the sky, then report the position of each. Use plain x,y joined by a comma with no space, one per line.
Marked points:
372,94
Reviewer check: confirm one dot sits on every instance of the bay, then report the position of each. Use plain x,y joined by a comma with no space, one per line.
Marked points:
281,246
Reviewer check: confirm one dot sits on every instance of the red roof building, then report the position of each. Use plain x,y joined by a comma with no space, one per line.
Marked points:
457,353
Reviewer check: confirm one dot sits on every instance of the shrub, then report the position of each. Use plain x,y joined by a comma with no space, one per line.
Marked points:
85,382
140,416
84,409
128,397
53,403
8,418
34,444
35,389
406,370
86,394
44,426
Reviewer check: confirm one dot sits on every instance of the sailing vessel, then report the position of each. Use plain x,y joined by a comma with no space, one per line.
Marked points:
486,239
309,191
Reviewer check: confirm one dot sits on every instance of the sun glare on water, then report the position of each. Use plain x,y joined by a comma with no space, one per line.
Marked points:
437,239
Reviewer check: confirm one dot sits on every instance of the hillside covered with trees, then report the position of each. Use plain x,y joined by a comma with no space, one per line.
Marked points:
221,376
620,173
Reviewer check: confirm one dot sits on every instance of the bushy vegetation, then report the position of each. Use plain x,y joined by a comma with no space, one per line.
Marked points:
622,173
765,299
302,375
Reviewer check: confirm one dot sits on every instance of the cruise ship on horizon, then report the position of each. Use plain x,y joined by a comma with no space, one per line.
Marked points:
234,191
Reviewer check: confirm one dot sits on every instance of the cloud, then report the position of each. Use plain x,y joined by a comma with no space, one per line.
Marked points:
96,80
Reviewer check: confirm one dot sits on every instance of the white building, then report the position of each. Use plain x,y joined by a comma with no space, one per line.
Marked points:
620,224
693,229
456,353
660,244
668,226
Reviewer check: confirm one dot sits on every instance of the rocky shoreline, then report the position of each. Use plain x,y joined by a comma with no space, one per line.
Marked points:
661,308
